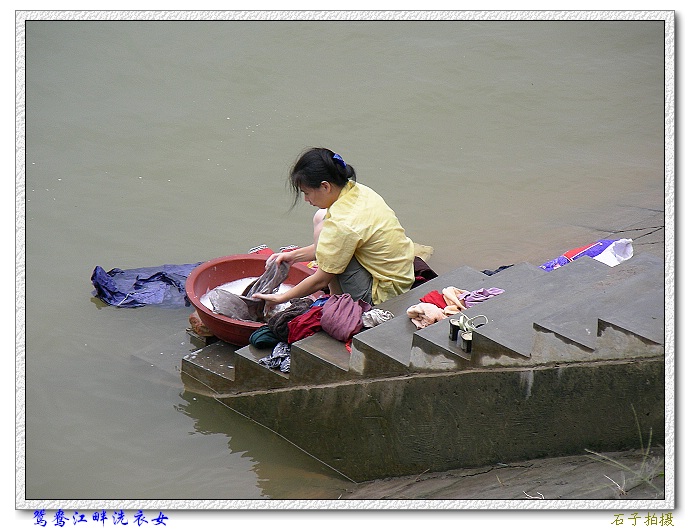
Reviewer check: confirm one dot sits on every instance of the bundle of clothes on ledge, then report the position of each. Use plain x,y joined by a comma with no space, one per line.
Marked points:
338,315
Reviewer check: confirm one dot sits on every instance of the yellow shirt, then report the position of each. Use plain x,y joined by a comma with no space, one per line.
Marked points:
360,224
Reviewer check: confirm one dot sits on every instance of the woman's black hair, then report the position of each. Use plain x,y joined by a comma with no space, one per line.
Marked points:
316,165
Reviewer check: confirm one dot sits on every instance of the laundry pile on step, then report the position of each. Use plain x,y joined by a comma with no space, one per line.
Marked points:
338,315
437,305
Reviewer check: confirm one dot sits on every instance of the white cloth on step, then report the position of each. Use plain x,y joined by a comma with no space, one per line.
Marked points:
375,316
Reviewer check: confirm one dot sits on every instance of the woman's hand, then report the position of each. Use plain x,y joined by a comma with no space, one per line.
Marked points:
293,256
280,257
311,284
270,299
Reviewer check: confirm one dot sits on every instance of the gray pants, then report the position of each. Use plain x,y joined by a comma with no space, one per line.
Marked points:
356,281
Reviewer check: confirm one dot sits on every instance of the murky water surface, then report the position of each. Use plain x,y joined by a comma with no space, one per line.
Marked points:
155,142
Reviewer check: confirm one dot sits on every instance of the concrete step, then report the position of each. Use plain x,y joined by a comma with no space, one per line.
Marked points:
511,322
648,324
319,359
530,294
221,368
433,349
569,301
250,375
613,340
519,282
386,348
631,297
644,314
211,369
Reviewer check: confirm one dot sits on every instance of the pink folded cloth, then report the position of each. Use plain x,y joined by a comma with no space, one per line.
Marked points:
424,314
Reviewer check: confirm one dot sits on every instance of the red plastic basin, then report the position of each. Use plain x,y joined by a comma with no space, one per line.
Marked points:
219,271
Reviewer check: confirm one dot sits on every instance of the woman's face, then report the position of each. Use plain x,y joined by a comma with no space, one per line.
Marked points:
321,197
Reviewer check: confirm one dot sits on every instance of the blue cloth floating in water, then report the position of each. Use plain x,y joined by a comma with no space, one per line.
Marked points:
163,285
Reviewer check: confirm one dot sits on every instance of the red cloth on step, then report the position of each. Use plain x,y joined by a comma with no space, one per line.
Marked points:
304,325
434,297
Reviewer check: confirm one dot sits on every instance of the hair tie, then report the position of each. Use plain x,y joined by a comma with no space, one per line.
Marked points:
340,160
